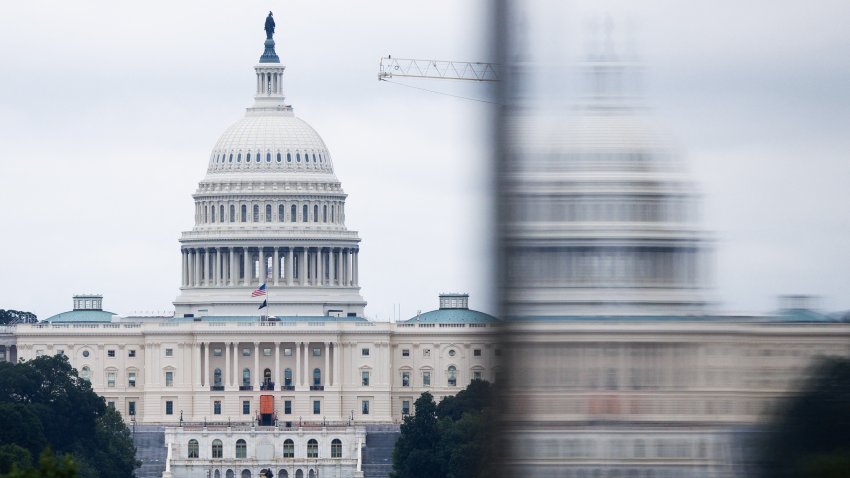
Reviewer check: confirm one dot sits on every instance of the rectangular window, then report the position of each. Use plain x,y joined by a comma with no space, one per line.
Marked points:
131,353
246,407
426,352
110,353
426,379
246,352
169,407
405,379
317,407
169,379
110,404
110,379
364,375
217,407
364,352
169,352
405,407
287,352
476,375
365,407
131,379
405,352
287,407
476,352
217,352
317,352
131,408
267,352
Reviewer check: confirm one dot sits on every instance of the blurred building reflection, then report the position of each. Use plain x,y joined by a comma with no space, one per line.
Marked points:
617,363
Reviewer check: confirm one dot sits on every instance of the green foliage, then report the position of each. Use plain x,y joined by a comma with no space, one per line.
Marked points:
809,436
43,403
8,317
453,439
12,455
48,467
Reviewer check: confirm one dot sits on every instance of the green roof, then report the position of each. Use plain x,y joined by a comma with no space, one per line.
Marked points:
82,316
453,316
256,318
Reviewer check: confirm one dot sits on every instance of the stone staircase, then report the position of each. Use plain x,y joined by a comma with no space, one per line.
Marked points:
378,452
150,450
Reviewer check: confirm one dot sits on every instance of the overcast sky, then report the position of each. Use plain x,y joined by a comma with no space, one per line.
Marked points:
109,110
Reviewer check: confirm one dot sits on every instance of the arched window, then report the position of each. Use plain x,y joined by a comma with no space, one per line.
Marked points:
292,213
315,213
246,376
244,213
312,448
246,473
333,215
256,213
269,157
217,474
228,474
257,157
267,377
248,158
288,448
452,374
336,448
241,449
304,213
239,158
268,213
288,157
231,157
314,157
85,373
280,215
221,213
217,377
193,448
217,449
298,157
299,473
325,213
212,214
311,474
232,213
282,473
287,377
317,376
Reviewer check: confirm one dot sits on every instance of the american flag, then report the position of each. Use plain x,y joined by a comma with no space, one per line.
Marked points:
260,291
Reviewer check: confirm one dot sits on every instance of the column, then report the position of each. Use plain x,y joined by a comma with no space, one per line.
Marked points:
208,355
336,372
185,261
276,369
302,270
225,381
356,280
331,267
276,265
231,273
256,374
289,267
298,363
247,273
261,269
340,273
236,371
307,363
207,261
197,267
190,263
326,373
197,368
218,275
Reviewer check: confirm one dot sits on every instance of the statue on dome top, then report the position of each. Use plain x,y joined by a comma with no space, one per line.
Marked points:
269,26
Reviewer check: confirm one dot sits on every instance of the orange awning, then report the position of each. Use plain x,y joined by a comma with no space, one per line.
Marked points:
266,404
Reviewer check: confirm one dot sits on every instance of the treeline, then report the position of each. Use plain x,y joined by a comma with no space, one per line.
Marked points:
46,408
455,438
11,317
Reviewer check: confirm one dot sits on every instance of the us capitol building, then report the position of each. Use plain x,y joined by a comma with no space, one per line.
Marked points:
294,389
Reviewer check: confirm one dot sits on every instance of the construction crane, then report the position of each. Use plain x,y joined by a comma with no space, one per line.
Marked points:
439,69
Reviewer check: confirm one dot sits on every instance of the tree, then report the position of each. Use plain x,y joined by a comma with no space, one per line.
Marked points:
45,404
453,439
808,437
48,467
11,317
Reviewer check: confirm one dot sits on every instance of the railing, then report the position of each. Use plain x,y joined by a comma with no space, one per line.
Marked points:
246,387
287,387
314,388
216,388
267,386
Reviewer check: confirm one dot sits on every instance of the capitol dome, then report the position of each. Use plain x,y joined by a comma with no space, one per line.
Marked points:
269,237
275,142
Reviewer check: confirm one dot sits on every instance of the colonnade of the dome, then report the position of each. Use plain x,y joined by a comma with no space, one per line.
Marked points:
247,266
